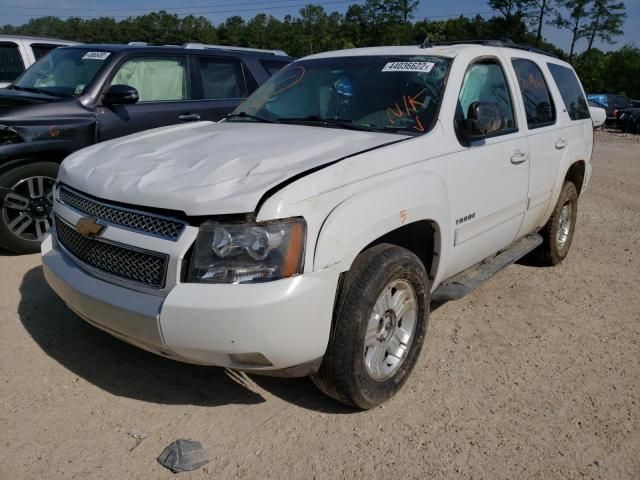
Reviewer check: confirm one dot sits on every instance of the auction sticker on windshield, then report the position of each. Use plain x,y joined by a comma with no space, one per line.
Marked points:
424,67
96,55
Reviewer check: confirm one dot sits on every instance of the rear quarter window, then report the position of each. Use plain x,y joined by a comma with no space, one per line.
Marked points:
272,66
11,65
570,90
535,94
41,49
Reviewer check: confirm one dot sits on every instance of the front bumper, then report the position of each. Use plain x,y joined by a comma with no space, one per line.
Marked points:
287,322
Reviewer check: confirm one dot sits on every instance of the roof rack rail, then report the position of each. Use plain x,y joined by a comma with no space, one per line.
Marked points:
203,46
502,43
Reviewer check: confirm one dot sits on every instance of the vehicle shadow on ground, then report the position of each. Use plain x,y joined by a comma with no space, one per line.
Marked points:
127,371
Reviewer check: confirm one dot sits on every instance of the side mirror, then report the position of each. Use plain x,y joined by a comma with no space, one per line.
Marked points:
121,95
483,119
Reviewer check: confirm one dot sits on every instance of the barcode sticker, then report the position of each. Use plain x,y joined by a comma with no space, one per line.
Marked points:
96,55
424,67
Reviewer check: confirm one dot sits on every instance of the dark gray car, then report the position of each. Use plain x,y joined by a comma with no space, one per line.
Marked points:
80,95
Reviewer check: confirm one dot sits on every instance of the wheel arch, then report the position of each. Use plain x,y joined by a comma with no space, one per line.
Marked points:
56,156
576,174
408,211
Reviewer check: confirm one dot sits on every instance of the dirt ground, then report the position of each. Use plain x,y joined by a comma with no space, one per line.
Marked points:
535,375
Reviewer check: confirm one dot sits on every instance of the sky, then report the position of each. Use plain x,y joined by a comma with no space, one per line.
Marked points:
16,12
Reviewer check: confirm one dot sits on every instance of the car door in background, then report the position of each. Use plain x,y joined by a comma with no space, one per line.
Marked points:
164,87
11,63
221,83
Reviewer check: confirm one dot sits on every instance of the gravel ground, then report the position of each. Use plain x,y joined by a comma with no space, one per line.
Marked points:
535,375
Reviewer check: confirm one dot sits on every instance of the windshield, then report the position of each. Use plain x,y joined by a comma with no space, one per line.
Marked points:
376,93
64,72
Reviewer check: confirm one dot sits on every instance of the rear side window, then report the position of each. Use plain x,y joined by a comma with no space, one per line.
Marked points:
272,66
157,79
570,91
41,49
222,78
485,82
535,94
11,65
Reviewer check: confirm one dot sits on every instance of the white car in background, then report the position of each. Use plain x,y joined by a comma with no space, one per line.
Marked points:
17,53
309,232
598,113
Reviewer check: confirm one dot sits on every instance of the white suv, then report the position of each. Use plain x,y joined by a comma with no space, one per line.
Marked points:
309,232
17,53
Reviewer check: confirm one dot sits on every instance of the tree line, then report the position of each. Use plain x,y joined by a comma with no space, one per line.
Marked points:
381,22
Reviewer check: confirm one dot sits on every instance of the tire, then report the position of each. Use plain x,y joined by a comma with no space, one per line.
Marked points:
350,372
26,201
556,243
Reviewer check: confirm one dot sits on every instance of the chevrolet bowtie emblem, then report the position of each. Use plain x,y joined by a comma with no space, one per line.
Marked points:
88,227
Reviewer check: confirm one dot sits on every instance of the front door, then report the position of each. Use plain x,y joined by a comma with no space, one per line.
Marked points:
488,179
164,89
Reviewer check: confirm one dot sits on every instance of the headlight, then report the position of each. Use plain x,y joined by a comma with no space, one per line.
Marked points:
8,136
248,252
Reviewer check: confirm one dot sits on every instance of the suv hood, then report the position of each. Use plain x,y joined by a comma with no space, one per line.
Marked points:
209,168
16,98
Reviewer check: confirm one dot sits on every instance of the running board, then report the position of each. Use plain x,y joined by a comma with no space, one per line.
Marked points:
468,280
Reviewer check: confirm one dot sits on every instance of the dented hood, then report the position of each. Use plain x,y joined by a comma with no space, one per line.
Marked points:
209,168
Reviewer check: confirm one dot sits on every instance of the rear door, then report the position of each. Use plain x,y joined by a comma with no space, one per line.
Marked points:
221,83
546,141
165,90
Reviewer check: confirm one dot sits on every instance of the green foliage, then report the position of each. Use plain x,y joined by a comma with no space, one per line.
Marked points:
611,72
606,19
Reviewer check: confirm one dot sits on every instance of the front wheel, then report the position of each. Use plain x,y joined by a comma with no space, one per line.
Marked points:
380,324
26,206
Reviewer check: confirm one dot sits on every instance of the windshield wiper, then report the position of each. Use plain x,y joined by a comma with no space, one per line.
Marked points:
248,115
409,130
33,89
329,122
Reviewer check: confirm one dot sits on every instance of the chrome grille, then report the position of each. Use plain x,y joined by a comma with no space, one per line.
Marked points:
143,222
134,265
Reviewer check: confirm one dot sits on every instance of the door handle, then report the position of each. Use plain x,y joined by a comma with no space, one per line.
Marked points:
560,144
189,117
518,158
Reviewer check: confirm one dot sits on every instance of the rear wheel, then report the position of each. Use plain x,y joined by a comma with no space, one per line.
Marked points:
557,234
380,324
26,206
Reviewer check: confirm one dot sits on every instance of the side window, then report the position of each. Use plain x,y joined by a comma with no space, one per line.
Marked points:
570,90
11,65
222,78
485,82
535,94
40,50
272,66
157,79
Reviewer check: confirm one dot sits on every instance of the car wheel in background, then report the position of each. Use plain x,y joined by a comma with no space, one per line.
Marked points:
26,205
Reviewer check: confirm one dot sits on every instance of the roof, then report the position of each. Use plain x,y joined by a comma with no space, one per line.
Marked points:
192,48
442,50
35,39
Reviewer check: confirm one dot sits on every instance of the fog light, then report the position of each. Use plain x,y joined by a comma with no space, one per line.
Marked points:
256,359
